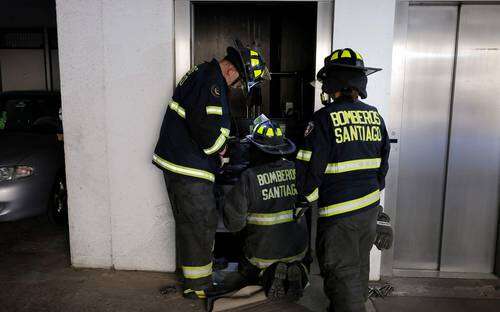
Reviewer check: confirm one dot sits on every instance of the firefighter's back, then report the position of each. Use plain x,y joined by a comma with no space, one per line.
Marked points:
271,233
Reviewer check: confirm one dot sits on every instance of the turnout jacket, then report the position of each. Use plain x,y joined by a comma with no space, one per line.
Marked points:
261,205
344,159
196,124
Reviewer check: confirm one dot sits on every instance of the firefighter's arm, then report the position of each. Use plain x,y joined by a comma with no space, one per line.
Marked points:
205,120
236,206
313,158
384,155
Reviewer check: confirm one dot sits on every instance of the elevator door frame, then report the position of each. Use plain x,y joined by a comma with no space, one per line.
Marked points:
395,122
184,34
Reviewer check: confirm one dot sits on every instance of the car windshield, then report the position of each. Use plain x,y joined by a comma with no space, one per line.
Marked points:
29,114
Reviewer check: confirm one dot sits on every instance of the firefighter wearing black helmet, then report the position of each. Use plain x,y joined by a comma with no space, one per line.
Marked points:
342,167
192,139
261,206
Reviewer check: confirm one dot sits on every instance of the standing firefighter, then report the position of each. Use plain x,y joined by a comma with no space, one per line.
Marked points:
261,206
343,166
192,139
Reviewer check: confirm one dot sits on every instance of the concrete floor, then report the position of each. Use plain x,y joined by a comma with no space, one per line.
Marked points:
35,275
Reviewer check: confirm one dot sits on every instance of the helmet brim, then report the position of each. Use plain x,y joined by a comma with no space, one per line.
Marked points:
235,54
283,149
367,70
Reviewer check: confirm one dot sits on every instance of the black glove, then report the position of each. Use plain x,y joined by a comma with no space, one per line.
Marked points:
300,207
384,237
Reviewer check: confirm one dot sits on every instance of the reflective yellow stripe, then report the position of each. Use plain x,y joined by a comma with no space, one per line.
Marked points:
350,205
313,196
197,173
335,56
194,272
219,142
353,165
304,155
253,53
225,131
264,263
177,108
270,218
257,73
214,110
345,53
199,293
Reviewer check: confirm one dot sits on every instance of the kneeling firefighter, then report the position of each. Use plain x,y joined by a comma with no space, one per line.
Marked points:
261,206
192,140
342,167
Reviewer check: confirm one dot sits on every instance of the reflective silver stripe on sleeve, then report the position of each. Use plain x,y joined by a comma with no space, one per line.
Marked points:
219,142
304,155
176,107
214,110
313,196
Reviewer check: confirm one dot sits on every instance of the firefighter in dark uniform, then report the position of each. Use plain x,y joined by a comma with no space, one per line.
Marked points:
192,140
261,206
342,168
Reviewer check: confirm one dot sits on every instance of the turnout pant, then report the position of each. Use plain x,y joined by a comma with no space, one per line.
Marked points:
195,214
343,247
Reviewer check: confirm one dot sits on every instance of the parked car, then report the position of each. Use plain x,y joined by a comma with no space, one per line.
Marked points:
32,178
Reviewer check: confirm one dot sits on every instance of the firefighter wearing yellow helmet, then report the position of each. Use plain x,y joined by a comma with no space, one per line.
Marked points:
342,167
192,140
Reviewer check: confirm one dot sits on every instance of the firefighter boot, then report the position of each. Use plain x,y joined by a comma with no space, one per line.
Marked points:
277,289
295,289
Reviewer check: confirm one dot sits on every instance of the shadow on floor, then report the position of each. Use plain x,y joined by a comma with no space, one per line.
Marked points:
35,275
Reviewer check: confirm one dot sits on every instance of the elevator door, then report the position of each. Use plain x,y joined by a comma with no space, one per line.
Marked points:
424,135
471,203
447,204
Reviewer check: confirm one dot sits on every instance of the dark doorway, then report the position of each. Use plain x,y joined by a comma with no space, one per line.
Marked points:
285,34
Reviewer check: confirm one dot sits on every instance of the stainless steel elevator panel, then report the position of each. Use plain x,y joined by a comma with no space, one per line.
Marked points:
424,135
471,205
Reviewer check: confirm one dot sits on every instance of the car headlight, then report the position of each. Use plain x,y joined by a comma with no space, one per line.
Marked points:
15,172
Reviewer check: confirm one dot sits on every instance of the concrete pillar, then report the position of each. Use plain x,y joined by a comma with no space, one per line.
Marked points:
117,73
367,26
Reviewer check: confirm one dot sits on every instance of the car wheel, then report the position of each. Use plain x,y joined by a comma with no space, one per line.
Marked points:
58,202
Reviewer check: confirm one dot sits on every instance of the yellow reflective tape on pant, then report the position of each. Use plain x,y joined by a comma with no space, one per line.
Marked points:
270,218
313,196
219,142
304,155
264,263
197,173
194,272
350,205
353,165
214,110
176,107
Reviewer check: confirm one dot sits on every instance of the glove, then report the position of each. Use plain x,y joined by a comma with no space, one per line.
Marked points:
384,236
300,207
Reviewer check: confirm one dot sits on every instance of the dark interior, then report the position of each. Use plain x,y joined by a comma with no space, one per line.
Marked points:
285,34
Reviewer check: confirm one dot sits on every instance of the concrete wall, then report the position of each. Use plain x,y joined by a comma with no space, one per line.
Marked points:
116,59
367,26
